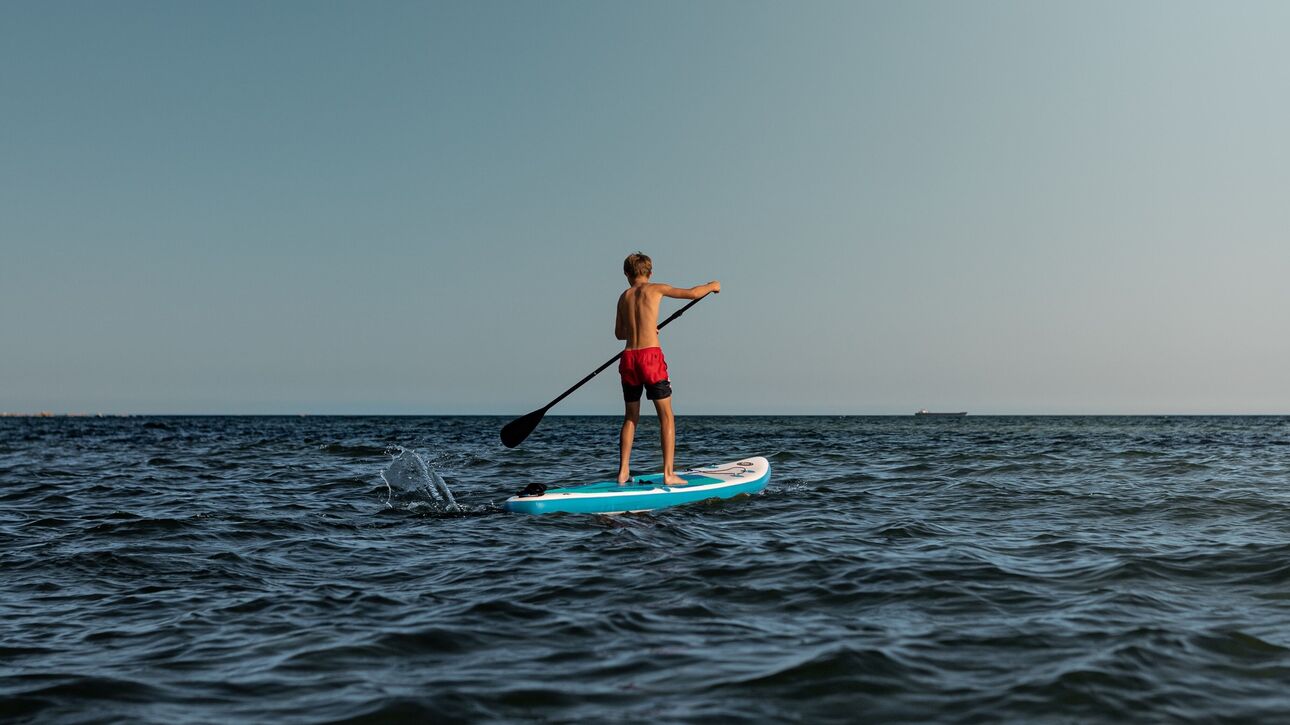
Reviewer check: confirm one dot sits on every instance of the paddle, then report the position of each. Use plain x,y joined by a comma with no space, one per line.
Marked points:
514,432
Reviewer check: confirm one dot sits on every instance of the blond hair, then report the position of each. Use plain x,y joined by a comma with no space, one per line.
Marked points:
638,265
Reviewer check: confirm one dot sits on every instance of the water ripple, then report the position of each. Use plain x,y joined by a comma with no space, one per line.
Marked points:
361,570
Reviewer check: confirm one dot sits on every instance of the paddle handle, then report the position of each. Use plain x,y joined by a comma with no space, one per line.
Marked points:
675,315
582,382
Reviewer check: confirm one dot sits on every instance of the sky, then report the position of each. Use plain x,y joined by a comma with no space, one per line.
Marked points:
385,207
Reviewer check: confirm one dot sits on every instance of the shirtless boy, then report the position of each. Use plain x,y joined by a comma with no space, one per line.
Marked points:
642,367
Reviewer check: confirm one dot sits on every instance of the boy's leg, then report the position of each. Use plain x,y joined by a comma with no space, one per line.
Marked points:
667,432
630,417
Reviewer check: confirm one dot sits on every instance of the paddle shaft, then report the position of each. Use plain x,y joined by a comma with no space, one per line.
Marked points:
613,359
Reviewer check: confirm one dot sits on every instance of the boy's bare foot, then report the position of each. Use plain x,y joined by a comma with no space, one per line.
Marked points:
624,477
674,480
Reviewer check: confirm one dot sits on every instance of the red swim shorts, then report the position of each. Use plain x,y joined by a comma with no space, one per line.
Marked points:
644,369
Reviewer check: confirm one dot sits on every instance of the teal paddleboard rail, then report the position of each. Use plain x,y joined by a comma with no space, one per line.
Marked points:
648,493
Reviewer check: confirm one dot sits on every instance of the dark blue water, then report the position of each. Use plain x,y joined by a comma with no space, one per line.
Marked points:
312,569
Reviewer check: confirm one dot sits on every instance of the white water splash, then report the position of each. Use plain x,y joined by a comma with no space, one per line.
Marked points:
414,483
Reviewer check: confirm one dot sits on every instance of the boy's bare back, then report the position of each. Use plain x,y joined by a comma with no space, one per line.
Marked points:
638,315
637,320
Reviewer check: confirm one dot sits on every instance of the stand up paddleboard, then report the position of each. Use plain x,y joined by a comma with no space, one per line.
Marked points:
645,493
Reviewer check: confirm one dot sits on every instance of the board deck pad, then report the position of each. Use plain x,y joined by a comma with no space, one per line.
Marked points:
649,493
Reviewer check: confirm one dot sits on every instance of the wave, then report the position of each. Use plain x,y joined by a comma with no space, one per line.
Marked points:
414,483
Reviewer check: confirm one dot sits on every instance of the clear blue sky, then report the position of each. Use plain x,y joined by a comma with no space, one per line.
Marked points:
1008,207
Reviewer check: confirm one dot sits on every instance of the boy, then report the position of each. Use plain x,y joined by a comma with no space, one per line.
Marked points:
642,366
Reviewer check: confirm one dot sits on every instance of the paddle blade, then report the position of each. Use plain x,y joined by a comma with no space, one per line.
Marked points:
514,432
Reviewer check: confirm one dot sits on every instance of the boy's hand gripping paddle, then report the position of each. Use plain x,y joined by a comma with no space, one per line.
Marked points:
514,432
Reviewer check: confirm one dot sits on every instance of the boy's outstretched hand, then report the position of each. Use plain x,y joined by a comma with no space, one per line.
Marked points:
716,286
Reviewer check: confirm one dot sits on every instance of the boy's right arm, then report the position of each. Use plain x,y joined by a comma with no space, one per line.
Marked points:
691,293
620,328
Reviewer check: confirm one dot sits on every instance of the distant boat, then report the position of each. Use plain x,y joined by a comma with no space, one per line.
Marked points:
927,413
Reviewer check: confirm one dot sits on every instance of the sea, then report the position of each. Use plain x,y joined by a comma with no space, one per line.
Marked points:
896,569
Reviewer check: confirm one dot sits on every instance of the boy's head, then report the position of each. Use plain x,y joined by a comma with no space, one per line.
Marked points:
638,265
